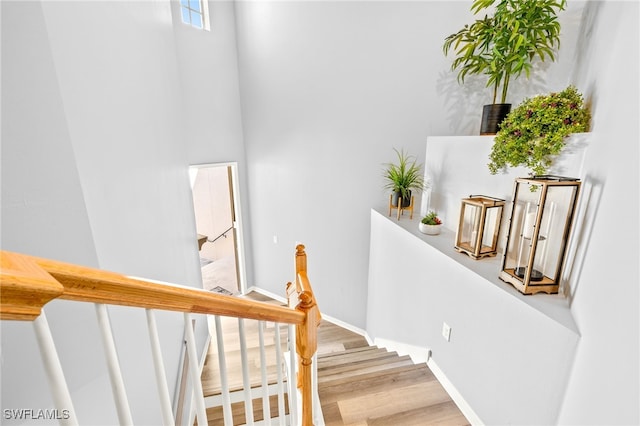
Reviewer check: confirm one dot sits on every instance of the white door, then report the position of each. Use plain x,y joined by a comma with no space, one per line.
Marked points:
216,209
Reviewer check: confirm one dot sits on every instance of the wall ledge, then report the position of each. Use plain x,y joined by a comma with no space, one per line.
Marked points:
554,306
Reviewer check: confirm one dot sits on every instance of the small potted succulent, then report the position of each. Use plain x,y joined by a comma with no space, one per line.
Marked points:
403,177
430,224
535,132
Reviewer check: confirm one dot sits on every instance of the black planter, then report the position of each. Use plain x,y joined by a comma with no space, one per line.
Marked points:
406,201
492,116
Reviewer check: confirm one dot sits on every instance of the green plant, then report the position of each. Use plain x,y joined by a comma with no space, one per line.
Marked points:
404,176
505,44
535,131
431,219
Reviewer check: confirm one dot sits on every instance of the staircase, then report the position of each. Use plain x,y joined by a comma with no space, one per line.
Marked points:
362,385
356,384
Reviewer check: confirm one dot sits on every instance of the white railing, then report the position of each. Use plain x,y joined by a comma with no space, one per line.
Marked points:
29,283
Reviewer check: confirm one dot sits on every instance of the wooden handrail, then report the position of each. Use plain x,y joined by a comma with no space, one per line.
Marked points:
27,283
24,287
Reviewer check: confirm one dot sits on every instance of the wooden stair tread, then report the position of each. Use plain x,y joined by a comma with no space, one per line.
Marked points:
359,349
391,371
441,414
354,359
384,404
392,378
361,369
215,415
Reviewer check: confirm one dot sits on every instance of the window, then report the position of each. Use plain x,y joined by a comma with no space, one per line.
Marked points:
195,13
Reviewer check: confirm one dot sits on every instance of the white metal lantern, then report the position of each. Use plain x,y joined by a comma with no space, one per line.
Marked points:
541,216
479,226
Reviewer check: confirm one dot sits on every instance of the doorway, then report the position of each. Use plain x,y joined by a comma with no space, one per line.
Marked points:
216,209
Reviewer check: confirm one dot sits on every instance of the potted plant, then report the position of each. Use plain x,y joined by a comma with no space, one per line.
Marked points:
503,45
430,224
403,177
534,133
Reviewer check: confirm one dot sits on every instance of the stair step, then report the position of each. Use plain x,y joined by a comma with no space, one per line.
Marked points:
355,370
333,333
354,358
390,379
444,413
376,375
378,405
327,355
215,415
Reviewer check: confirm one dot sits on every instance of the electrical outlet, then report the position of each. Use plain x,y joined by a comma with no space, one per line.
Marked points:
275,239
446,332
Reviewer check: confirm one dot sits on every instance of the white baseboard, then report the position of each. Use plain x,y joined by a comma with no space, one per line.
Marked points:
418,355
466,409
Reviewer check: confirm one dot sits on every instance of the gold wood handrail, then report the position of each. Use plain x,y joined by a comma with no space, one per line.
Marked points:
27,283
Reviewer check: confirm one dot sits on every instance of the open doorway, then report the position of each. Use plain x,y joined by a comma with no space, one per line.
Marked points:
217,214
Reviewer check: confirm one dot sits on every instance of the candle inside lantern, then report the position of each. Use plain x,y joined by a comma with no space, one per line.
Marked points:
529,224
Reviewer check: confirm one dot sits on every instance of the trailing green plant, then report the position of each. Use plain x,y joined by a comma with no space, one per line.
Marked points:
404,176
431,219
505,44
534,133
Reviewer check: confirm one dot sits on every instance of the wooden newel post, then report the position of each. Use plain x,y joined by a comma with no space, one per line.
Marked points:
306,333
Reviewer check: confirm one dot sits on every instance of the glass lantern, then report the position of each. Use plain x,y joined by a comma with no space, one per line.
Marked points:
479,226
541,216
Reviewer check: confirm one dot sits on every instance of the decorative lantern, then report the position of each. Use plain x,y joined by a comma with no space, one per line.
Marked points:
541,217
479,226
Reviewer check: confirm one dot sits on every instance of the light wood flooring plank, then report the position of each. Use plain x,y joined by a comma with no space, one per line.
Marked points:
381,404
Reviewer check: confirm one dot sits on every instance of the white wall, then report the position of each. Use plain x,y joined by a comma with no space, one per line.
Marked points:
43,206
94,165
509,355
328,89
604,386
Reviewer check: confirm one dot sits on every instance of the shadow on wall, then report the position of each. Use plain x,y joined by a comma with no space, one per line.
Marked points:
582,53
463,102
590,195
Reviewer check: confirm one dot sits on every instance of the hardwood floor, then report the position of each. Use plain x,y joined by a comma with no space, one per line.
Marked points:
358,385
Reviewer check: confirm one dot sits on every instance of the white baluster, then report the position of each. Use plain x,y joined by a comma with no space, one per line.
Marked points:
318,418
161,378
117,384
266,406
194,371
248,403
279,359
224,381
57,382
293,376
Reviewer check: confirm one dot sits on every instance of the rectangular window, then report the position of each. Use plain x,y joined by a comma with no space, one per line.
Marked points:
195,13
